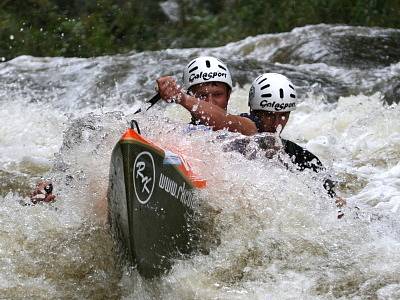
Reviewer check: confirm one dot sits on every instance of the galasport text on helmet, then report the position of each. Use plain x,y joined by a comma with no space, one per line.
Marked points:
206,69
272,92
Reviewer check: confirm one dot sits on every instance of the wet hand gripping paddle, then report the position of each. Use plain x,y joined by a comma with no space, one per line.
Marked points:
152,101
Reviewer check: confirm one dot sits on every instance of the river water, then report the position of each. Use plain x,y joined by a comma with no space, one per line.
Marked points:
277,231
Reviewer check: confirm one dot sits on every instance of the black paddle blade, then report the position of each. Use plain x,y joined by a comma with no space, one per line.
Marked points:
152,101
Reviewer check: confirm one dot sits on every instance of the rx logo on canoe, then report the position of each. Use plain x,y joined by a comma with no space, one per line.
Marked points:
144,176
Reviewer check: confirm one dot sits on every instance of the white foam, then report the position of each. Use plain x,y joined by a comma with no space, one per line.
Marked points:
29,132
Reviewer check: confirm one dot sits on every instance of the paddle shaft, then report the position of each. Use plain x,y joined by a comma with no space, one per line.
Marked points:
152,101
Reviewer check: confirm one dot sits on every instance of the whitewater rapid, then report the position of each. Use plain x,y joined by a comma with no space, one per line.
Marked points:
273,233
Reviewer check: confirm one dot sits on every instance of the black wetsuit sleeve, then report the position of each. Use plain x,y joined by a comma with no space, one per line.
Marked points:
304,159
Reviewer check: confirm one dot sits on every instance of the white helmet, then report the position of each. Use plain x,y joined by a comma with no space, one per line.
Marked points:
272,92
206,69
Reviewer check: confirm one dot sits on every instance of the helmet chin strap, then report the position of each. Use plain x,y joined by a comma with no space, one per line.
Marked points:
279,129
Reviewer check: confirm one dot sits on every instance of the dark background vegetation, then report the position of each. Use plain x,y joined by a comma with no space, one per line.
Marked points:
87,28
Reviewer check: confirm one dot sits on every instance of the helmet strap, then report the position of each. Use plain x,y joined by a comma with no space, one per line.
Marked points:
255,119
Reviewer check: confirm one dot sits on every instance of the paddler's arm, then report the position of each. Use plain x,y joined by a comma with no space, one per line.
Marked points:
215,117
209,114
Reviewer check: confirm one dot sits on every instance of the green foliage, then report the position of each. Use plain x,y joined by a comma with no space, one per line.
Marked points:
98,27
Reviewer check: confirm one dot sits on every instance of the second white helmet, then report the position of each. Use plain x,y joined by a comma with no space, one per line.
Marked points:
272,92
206,69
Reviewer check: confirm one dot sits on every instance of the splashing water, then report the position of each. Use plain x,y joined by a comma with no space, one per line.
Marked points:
271,233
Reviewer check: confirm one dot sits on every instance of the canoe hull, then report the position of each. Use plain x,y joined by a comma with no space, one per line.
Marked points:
151,204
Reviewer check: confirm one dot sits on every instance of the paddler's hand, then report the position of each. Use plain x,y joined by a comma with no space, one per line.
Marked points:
169,90
43,192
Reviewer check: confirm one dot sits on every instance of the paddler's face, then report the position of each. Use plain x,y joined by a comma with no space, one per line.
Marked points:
272,122
216,93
